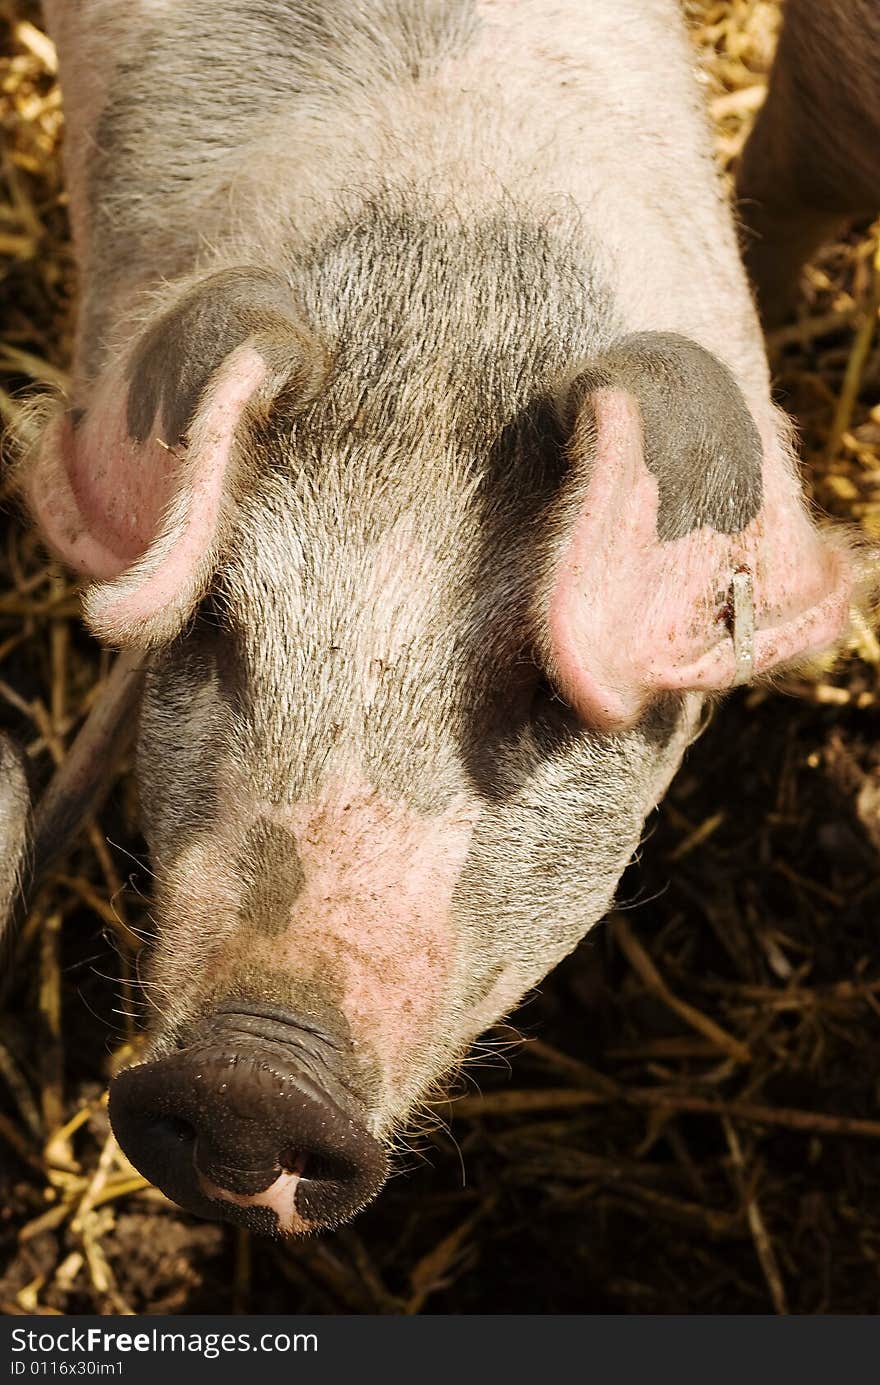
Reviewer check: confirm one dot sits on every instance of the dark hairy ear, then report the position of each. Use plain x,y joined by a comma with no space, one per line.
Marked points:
134,493
685,558
699,441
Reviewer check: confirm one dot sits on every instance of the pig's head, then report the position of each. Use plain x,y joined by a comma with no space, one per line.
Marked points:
434,583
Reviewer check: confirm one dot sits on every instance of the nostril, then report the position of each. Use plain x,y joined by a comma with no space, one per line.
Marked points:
175,1128
293,1162
320,1166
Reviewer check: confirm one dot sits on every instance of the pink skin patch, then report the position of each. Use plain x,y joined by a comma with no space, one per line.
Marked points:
140,519
280,1197
631,616
373,915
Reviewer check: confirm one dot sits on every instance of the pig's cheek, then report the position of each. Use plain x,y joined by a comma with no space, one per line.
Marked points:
503,996
198,897
688,728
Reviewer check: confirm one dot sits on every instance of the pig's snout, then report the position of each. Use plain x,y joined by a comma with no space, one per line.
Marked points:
251,1122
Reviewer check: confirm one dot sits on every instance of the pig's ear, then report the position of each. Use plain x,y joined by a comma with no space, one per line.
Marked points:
684,558
135,492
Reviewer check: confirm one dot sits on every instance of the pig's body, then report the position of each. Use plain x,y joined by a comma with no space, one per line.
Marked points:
14,813
415,336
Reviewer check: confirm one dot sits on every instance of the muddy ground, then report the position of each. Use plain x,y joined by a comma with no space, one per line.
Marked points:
686,1117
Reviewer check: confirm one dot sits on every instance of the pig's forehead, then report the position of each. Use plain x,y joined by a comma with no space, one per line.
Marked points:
371,598
389,638
416,478
420,469
391,659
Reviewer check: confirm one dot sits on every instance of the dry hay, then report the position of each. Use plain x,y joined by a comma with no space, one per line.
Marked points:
692,1124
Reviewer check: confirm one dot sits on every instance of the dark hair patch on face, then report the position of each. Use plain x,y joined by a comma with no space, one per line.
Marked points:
271,867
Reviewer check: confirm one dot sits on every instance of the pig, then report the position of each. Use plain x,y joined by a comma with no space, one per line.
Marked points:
15,808
420,443
812,163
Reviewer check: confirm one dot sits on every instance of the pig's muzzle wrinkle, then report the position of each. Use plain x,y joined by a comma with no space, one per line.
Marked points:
251,1122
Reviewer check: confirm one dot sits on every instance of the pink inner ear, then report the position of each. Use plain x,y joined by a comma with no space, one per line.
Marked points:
98,495
139,519
631,616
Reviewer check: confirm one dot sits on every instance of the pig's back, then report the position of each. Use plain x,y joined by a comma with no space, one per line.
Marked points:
283,117
587,115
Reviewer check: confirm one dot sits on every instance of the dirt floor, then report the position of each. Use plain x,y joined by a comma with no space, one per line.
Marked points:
686,1118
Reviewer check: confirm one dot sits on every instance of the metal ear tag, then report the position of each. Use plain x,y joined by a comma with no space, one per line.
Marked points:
742,601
